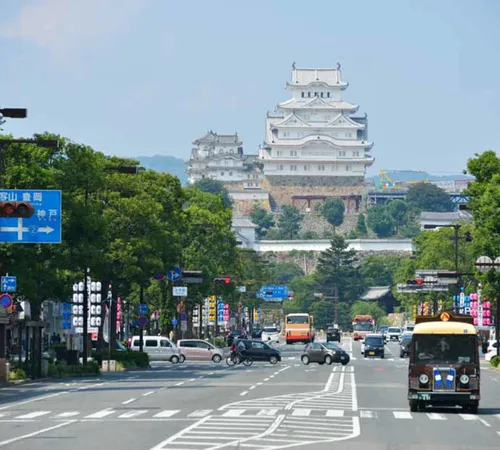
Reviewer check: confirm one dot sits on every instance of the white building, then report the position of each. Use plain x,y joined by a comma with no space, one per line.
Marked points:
220,157
316,137
435,220
244,229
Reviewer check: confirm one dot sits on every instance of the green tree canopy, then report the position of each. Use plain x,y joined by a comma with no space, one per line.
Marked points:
263,219
290,221
380,221
429,197
333,210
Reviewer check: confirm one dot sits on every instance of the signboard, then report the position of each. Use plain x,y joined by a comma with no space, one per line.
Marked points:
180,291
273,293
183,316
142,321
184,325
142,309
174,322
175,274
43,227
6,300
9,284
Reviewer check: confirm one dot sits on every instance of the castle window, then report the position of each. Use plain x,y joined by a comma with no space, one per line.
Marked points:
322,95
309,94
328,94
306,168
280,167
347,168
303,94
293,152
321,168
222,174
230,174
315,94
293,168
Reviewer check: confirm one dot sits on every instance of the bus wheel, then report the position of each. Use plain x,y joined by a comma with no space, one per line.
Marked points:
473,407
413,405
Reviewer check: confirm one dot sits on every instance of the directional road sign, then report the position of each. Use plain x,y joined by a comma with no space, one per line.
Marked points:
5,300
174,322
142,309
174,275
9,284
273,292
43,227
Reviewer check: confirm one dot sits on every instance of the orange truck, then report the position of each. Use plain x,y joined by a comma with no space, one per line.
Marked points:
361,326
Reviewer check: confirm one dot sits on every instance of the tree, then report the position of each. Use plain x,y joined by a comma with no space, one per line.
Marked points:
290,221
429,197
263,219
361,225
368,308
284,272
398,209
215,187
333,210
379,270
380,221
485,207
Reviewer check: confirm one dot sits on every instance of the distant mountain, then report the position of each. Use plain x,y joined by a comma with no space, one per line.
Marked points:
411,175
168,164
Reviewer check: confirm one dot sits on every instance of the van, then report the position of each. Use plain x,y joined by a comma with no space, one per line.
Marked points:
159,348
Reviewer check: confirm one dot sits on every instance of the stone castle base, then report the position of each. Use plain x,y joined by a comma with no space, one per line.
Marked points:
314,181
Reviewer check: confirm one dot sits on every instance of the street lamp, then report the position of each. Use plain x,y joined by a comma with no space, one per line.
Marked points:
485,264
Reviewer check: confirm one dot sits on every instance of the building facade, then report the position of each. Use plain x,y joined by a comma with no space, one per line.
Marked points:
316,138
220,157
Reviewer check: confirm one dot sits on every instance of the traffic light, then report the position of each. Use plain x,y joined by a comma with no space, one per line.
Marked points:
222,280
416,282
14,113
16,209
468,236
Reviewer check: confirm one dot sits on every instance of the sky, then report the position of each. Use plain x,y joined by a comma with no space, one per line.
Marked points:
147,77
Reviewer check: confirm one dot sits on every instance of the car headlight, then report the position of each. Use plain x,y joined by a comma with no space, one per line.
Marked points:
464,379
424,379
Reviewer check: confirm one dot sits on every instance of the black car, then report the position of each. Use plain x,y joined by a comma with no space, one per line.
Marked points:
374,345
404,349
332,334
234,336
339,354
259,351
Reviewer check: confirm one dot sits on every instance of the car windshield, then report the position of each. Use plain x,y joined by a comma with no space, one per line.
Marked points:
270,330
394,330
363,326
445,349
332,346
409,327
375,340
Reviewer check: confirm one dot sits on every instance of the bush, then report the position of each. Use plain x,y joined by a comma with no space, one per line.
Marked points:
495,361
17,374
63,370
129,359
220,342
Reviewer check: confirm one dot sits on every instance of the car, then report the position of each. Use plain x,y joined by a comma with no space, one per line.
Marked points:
374,345
404,335
332,334
404,349
339,354
317,353
234,335
199,350
393,333
270,334
259,351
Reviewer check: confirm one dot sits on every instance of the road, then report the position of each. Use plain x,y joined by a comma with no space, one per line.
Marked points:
208,406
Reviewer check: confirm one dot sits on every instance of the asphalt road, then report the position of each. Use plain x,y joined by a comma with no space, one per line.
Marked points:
211,406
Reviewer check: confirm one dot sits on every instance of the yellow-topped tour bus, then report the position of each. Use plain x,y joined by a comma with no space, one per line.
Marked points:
444,363
299,327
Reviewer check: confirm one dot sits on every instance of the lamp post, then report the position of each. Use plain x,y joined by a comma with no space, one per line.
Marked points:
485,264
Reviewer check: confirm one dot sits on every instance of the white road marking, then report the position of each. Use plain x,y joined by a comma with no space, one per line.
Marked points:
244,393
268,412
179,384
252,388
301,412
468,416
135,413
36,433
367,414
148,393
167,413
334,413
402,415
101,414
130,400
68,414
233,413
32,415
436,416
200,413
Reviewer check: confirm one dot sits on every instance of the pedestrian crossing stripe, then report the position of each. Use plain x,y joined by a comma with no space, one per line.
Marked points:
146,414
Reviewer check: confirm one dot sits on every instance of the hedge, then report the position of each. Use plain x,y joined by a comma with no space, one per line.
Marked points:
129,359
63,370
495,361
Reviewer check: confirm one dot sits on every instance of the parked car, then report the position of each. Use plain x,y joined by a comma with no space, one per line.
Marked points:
317,353
270,334
199,350
339,354
159,348
259,351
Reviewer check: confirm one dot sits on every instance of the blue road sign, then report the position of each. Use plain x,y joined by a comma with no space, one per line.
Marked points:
142,309
142,321
43,227
9,284
174,275
174,322
183,316
5,300
273,292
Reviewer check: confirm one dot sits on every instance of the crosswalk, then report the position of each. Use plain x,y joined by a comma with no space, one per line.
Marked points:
252,413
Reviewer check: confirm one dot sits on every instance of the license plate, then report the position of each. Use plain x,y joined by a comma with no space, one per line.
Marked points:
424,396
371,353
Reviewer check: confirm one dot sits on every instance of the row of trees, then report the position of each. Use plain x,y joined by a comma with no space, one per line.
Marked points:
125,227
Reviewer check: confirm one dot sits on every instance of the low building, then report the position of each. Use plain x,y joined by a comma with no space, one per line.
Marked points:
434,220
244,229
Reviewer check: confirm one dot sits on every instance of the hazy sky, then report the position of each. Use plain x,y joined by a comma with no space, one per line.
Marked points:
145,77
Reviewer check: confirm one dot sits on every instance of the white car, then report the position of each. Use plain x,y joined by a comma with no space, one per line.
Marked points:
393,333
270,334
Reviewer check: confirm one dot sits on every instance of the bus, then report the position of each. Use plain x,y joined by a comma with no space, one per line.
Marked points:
361,326
299,327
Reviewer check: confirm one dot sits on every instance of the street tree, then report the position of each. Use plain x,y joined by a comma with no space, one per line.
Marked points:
333,210
263,219
380,221
290,221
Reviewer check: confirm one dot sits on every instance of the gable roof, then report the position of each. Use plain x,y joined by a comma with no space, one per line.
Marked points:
291,120
345,121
